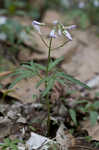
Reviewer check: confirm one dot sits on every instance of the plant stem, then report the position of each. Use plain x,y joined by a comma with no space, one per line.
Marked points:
46,84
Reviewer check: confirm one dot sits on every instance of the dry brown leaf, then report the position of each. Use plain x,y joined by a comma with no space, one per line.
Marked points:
93,131
25,89
84,63
64,138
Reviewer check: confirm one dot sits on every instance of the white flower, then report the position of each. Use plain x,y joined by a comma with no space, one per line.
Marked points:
81,5
55,22
67,34
3,36
36,26
96,3
71,27
36,23
52,34
58,29
2,20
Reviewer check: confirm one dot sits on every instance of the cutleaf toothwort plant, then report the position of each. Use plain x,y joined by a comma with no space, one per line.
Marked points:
52,74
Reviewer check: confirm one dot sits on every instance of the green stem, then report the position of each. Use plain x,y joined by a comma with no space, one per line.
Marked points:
43,41
61,45
46,84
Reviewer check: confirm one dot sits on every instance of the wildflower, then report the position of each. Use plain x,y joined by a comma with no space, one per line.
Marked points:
70,27
55,22
96,3
2,20
81,5
57,28
37,25
67,34
52,34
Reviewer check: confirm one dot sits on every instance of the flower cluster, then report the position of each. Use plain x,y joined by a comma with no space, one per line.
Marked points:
57,29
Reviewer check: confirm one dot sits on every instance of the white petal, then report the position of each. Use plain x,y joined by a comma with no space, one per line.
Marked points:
35,23
96,3
59,32
3,36
81,5
71,27
2,20
37,28
55,22
52,34
68,35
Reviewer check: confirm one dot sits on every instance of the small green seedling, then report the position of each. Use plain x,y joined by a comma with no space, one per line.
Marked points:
10,144
89,108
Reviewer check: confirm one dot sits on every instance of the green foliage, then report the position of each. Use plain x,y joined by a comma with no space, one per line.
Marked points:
88,108
93,117
20,8
93,12
96,144
10,144
54,63
88,138
73,115
71,79
0,86
32,128
81,17
52,3
85,16
13,7
91,109
14,36
12,30
33,69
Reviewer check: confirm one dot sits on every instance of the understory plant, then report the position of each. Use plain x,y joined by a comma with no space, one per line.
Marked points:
10,144
51,73
90,108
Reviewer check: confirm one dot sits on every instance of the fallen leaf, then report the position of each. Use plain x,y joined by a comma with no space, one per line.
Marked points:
25,89
93,131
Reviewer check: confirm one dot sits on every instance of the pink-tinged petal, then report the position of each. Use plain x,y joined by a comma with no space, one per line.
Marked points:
37,28
52,34
67,34
96,3
81,5
35,23
55,22
71,27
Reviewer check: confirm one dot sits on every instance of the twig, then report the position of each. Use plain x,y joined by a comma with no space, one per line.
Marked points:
84,147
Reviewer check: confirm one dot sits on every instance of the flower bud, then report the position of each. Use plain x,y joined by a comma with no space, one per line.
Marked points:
55,22
67,34
52,34
71,27
36,23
